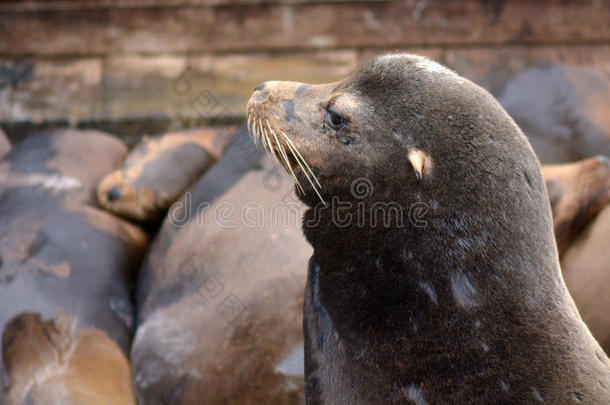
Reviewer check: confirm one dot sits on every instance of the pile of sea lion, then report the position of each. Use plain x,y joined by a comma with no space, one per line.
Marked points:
272,280
63,257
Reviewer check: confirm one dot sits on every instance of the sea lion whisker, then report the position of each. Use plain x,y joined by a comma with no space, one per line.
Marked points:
252,131
261,134
264,137
257,135
285,158
270,143
296,152
267,139
301,161
289,166
315,189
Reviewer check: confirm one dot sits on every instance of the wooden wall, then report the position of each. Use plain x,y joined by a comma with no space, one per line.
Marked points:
134,66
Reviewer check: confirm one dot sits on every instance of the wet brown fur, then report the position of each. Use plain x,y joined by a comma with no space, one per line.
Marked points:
586,268
500,326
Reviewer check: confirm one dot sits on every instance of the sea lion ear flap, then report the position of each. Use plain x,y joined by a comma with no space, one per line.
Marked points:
421,162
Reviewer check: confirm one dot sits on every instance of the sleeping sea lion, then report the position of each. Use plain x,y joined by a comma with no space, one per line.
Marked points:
158,171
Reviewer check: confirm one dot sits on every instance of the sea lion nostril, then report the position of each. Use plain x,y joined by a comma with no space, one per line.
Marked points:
114,194
260,86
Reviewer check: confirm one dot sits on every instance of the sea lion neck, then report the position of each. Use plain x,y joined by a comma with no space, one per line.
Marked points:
408,294
462,262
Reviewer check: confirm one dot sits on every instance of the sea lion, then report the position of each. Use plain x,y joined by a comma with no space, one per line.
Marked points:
562,109
158,171
58,251
578,192
49,362
219,299
586,269
428,283
5,144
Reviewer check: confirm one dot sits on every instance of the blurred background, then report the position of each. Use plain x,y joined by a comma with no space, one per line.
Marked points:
133,66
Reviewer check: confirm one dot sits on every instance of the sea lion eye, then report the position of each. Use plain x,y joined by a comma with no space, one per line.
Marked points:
334,120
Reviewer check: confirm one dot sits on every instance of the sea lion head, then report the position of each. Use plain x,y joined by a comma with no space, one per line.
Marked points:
411,127
411,135
118,193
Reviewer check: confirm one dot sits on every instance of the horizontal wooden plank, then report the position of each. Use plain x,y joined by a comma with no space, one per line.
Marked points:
271,26
139,87
205,87
132,95
210,86
54,5
69,90
492,67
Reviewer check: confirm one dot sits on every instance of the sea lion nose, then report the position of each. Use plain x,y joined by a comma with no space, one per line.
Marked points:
114,194
260,86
